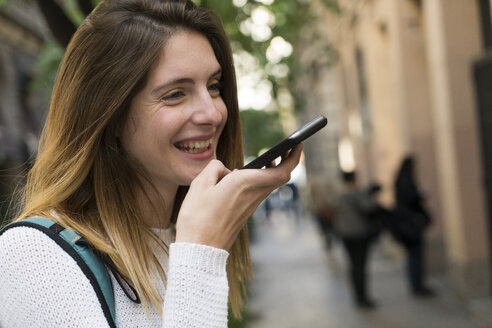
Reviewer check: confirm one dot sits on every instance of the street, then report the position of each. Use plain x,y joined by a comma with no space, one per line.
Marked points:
298,283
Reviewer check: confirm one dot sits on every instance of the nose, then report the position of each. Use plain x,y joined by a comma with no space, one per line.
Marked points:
208,110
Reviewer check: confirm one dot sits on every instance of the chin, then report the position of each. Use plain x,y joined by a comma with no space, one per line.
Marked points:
188,179
191,172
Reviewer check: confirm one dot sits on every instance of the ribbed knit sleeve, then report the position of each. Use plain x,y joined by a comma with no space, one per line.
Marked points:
197,290
42,286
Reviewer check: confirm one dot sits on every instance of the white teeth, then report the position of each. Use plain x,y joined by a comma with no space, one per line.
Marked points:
194,147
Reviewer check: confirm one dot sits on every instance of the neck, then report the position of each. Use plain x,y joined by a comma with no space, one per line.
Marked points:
157,207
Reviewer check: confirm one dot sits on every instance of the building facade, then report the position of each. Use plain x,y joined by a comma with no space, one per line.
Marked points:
414,77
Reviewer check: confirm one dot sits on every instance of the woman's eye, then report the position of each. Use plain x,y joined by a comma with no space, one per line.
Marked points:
216,87
173,95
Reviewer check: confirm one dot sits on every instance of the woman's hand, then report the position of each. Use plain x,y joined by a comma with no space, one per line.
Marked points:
219,202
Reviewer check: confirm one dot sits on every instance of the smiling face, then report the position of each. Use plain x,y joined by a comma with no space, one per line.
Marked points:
175,121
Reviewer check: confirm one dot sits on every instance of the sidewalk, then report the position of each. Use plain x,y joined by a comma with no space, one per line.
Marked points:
297,283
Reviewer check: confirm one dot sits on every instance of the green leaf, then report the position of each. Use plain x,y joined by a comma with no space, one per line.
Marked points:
261,129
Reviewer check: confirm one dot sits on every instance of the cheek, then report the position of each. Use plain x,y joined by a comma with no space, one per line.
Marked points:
167,124
139,138
223,113
128,136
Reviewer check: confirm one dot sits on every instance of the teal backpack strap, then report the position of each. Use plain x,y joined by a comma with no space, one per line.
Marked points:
91,264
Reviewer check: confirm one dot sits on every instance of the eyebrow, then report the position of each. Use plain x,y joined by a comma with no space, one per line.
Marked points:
158,88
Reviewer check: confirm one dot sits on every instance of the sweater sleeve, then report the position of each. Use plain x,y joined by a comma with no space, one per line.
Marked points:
197,290
42,285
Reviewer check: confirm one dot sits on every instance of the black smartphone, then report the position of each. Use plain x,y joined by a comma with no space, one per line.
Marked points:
290,142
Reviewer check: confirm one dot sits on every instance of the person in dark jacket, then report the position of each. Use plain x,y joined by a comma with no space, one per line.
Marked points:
353,226
413,218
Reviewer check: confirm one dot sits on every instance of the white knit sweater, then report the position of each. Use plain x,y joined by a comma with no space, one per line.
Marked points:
42,286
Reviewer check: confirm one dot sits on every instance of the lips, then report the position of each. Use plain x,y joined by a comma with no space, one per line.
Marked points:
194,147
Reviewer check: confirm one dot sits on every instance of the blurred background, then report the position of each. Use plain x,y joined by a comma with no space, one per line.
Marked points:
393,77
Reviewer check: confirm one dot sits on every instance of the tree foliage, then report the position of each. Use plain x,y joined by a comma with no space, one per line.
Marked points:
289,18
264,130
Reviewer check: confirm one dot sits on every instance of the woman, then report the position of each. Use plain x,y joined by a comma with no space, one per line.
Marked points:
413,219
136,156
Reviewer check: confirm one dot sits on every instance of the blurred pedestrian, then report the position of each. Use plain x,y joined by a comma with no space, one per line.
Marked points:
320,204
139,155
352,223
294,203
289,195
412,219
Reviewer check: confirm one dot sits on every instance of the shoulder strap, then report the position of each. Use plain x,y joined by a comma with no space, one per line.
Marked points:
90,264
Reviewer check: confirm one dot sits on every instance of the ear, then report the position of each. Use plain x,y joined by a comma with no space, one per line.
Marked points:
118,130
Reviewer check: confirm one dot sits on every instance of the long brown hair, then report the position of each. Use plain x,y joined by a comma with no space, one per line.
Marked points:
80,172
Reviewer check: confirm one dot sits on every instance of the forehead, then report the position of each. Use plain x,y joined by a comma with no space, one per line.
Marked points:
185,54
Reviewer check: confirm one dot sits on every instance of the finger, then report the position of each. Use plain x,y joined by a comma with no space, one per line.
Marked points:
211,174
271,177
286,154
292,158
